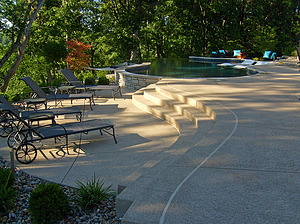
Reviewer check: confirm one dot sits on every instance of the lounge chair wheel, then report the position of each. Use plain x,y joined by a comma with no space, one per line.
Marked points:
6,128
26,153
14,139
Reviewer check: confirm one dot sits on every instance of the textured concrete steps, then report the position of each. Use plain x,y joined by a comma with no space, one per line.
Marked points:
190,121
191,113
134,185
151,193
184,126
195,101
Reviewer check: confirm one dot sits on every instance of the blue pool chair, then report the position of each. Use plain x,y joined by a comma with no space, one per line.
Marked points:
236,53
269,55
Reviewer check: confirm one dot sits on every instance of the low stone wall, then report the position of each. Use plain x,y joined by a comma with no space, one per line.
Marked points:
128,77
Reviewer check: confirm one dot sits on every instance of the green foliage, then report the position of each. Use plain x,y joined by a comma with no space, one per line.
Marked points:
52,3
48,204
7,193
151,29
54,51
102,80
4,39
89,81
85,74
7,175
7,198
92,193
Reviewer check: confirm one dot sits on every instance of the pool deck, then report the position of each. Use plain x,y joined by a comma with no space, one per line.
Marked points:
235,161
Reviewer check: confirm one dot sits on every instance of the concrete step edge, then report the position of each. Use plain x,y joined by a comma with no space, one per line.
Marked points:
170,116
191,113
162,89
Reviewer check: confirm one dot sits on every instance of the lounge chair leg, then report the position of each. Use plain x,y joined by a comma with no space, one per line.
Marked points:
79,117
92,100
114,135
113,93
67,144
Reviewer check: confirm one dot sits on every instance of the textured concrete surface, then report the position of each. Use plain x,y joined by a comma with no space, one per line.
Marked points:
140,137
244,170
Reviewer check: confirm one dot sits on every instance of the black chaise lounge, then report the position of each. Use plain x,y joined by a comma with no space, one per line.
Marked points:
72,79
7,125
56,97
23,139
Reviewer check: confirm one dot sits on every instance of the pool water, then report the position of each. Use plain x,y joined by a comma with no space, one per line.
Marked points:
184,68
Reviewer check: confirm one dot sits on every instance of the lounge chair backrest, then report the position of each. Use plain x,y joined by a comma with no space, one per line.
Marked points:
4,108
38,90
267,54
72,79
236,53
8,105
273,55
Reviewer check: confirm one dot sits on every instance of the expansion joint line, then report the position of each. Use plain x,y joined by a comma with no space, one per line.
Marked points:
82,118
162,218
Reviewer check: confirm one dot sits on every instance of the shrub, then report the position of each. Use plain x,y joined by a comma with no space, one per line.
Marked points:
48,204
89,81
7,193
102,80
7,176
91,194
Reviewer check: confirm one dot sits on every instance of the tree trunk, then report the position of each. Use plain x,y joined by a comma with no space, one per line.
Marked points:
16,64
22,48
298,53
133,52
12,49
17,43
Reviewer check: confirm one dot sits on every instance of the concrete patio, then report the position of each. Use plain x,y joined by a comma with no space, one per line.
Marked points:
228,153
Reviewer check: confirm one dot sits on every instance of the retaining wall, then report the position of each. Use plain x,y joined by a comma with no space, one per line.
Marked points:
128,77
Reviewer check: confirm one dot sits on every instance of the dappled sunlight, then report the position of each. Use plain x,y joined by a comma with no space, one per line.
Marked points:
255,131
140,138
151,207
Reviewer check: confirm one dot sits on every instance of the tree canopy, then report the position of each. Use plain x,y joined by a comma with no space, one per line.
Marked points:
138,30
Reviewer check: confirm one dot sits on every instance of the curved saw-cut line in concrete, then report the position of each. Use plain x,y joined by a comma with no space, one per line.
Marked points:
162,218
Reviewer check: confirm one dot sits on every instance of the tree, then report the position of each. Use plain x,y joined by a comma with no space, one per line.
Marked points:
78,58
130,16
20,42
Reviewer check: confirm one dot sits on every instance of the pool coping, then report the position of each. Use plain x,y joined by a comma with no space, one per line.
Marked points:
127,77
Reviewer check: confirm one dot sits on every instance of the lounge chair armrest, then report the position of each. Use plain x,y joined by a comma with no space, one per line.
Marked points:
75,82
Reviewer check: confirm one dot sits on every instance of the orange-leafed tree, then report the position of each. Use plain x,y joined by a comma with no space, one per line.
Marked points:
79,56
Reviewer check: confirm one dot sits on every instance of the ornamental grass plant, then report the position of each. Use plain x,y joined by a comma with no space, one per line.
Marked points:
7,193
93,193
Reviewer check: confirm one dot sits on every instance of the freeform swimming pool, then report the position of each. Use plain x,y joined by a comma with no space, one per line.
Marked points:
185,68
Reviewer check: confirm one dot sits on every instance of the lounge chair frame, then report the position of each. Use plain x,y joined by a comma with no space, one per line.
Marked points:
23,139
73,80
8,124
56,97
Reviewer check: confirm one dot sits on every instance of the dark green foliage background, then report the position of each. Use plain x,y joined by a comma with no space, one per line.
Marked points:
148,28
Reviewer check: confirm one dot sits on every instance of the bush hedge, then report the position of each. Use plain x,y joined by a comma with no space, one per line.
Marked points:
48,204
